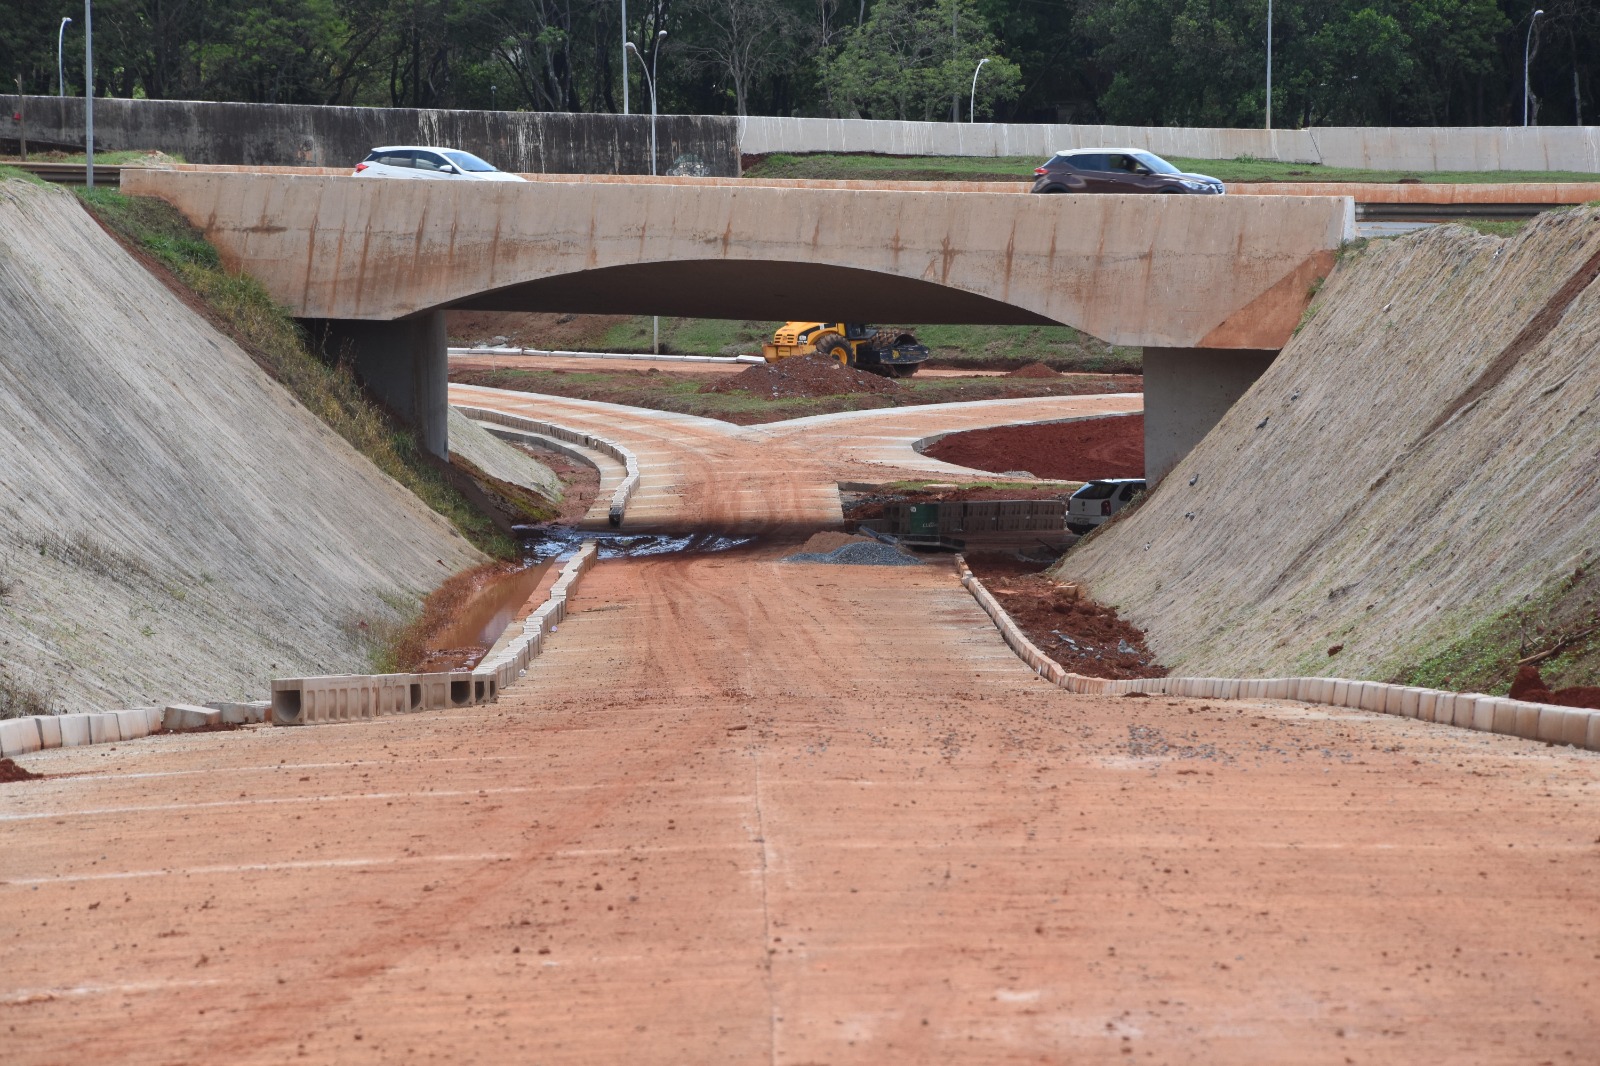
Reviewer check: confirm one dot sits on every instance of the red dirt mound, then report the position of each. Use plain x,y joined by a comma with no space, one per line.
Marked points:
1033,370
1083,636
1069,451
802,376
1530,686
10,771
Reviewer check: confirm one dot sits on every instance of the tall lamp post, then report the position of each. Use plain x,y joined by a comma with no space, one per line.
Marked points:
88,94
61,77
1525,57
650,80
1269,64
625,46
972,102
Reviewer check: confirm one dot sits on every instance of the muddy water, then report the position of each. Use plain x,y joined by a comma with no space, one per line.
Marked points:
493,607
496,604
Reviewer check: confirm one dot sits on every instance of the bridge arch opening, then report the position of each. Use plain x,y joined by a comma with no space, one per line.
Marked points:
753,290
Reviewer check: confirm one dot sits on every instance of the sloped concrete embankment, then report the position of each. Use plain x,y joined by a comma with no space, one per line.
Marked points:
1420,457
172,523
322,700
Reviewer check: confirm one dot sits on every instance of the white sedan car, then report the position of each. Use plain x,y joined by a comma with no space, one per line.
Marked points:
413,161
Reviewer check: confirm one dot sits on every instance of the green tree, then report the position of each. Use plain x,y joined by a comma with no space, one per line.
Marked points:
914,59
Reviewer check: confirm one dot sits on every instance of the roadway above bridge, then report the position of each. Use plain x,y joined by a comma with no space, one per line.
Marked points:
1179,271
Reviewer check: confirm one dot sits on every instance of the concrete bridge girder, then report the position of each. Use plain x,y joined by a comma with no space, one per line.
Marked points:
1168,273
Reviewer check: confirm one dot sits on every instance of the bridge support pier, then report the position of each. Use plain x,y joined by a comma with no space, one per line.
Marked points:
1186,393
404,364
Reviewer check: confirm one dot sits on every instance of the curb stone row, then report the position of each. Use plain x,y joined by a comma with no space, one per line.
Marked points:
20,736
623,493
351,697
1546,722
301,701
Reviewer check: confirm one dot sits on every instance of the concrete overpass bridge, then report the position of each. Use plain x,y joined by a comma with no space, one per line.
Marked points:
1209,287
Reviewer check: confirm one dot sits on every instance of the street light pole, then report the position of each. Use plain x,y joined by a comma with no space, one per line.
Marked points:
650,80
88,94
625,46
1269,64
61,77
972,104
1525,59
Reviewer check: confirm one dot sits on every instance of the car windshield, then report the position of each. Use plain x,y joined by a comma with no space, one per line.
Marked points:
1095,490
1156,164
469,162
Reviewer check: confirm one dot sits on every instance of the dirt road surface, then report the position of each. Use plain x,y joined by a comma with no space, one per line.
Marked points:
746,811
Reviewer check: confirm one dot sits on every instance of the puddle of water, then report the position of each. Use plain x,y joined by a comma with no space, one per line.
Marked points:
486,615
562,543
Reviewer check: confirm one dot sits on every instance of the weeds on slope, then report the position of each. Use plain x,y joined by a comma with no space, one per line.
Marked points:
241,307
18,699
1562,624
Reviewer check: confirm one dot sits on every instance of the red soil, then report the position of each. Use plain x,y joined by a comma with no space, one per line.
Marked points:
1033,370
1531,687
802,376
1069,451
10,771
1083,636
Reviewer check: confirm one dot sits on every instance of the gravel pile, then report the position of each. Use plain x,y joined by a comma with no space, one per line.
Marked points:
861,553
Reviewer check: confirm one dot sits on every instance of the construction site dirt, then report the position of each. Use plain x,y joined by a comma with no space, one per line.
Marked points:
1083,636
1068,451
761,811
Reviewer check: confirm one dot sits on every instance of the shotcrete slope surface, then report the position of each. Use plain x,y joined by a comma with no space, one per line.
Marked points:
200,530
1421,456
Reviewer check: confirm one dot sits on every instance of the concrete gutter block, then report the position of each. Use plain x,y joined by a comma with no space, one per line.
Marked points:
104,728
19,736
1410,702
1576,732
133,724
1394,699
1374,696
74,730
1527,722
1592,738
1483,710
1426,698
1505,717
49,730
1552,723
234,713
1341,693
180,716
1466,708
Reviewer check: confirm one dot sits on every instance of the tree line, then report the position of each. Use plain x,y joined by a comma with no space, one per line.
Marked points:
1139,62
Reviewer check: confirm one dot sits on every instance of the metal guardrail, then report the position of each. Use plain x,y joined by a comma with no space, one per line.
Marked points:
71,173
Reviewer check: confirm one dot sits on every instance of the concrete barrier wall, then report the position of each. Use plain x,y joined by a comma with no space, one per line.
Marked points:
1570,148
353,697
292,134
620,497
1552,724
710,145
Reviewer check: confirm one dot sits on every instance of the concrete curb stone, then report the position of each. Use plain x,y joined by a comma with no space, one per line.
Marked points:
1577,727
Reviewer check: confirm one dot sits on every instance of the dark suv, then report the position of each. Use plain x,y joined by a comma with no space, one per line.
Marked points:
1126,170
